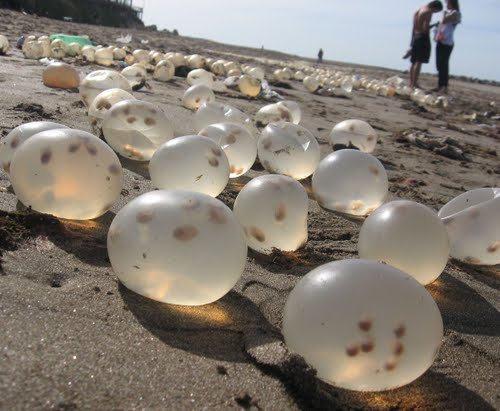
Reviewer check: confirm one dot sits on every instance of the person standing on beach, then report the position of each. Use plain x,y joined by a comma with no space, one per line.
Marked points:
421,41
320,56
444,47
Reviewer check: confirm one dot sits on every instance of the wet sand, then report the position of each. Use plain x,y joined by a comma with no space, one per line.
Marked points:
74,338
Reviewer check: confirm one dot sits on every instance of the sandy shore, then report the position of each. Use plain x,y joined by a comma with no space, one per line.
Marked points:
73,338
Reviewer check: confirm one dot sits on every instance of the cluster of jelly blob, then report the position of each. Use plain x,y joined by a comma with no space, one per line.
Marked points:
136,129
289,149
356,134
177,247
192,163
408,236
273,210
472,221
68,173
350,182
363,325
238,144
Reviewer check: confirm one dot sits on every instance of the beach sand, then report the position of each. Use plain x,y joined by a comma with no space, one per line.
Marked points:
72,337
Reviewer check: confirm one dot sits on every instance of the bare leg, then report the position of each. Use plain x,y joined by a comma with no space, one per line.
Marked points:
414,74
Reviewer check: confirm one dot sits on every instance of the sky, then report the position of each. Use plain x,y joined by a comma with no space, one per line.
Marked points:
373,32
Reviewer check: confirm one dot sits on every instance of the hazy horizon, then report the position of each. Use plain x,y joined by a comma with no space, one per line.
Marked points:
369,34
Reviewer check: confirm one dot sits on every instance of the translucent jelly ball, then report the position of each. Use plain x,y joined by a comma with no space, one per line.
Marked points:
164,71
103,102
61,75
238,144
104,56
18,136
68,173
357,133
273,210
310,83
73,49
119,54
473,223
200,76
4,45
212,112
136,75
177,247
141,55
408,236
299,75
88,53
196,95
289,149
363,325
98,81
135,129
256,72
192,163
272,113
351,182
249,86
33,50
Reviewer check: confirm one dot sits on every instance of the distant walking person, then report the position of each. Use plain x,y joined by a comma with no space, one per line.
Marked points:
420,39
320,56
445,42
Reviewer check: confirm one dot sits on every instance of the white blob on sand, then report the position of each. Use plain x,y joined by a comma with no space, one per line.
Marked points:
363,325
68,173
289,149
273,210
192,163
177,247
354,134
351,182
473,223
408,236
135,129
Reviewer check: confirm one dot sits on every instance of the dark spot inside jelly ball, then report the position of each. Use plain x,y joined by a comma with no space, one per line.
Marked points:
103,104
92,150
368,346
216,151
149,121
46,156
126,111
213,161
197,100
390,365
493,248
185,233
400,331
114,169
370,138
365,325
352,350
257,233
14,143
267,143
144,216
398,348
74,147
231,139
351,128
131,120
374,170
217,215
280,212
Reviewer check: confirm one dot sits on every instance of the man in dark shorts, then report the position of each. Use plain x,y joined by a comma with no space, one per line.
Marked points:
421,40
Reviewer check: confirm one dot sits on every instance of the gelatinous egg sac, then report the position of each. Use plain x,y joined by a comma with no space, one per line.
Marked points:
177,247
18,136
273,210
351,182
135,129
211,112
289,149
68,173
353,134
4,45
192,163
103,103
61,75
472,221
363,325
238,144
98,81
196,95
408,236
